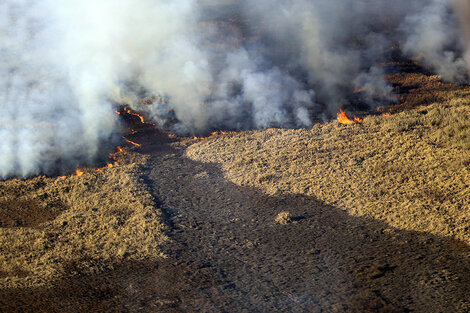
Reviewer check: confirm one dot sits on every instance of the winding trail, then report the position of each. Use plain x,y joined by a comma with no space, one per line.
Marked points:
229,255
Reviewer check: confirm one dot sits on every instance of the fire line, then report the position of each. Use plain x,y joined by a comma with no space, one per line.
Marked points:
343,119
131,142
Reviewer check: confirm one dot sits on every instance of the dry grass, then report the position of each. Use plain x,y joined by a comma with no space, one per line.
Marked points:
283,218
410,170
53,226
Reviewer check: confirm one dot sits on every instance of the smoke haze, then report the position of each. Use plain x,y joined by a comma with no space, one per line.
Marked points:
65,65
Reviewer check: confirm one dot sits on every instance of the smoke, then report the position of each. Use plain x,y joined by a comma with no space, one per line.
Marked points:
435,42
463,9
65,65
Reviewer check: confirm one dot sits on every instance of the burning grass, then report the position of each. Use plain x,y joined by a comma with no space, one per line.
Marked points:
102,217
342,118
410,169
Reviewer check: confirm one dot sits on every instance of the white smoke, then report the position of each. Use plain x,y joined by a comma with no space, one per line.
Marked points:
227,64
434,40
43,117
463,9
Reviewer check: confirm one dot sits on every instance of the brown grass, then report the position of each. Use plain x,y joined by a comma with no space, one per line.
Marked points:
51,227
410,170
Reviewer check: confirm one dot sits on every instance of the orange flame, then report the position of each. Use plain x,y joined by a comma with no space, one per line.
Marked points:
128,111
112,155
219,132
386,114
131,142
78,172
343,119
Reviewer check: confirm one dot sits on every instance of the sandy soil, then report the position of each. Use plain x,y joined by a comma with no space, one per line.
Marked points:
371,217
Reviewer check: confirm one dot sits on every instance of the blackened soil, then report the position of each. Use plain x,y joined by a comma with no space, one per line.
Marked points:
229,255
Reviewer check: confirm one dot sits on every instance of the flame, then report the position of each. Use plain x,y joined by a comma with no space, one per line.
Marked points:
112,156
131,142
128,111
219,132
78,172
357,120
386,114
343,119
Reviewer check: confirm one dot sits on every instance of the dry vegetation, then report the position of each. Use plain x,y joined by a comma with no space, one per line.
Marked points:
410,170
94,243
56,227
283,218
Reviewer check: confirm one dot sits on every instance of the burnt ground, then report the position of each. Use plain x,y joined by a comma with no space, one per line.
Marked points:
230,255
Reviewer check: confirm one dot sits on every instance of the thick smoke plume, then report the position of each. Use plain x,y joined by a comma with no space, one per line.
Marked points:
201,65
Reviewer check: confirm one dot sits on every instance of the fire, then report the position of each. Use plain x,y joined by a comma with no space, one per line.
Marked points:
112,156
128,111
131,142
343,119
386,114
357,120
219,132
78,172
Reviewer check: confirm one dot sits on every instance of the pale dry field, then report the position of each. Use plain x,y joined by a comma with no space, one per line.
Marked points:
57,227
410,170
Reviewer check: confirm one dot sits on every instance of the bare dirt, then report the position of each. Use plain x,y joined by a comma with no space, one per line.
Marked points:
371,217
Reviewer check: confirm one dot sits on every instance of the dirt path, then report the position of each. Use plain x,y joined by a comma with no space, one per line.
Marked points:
228,253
